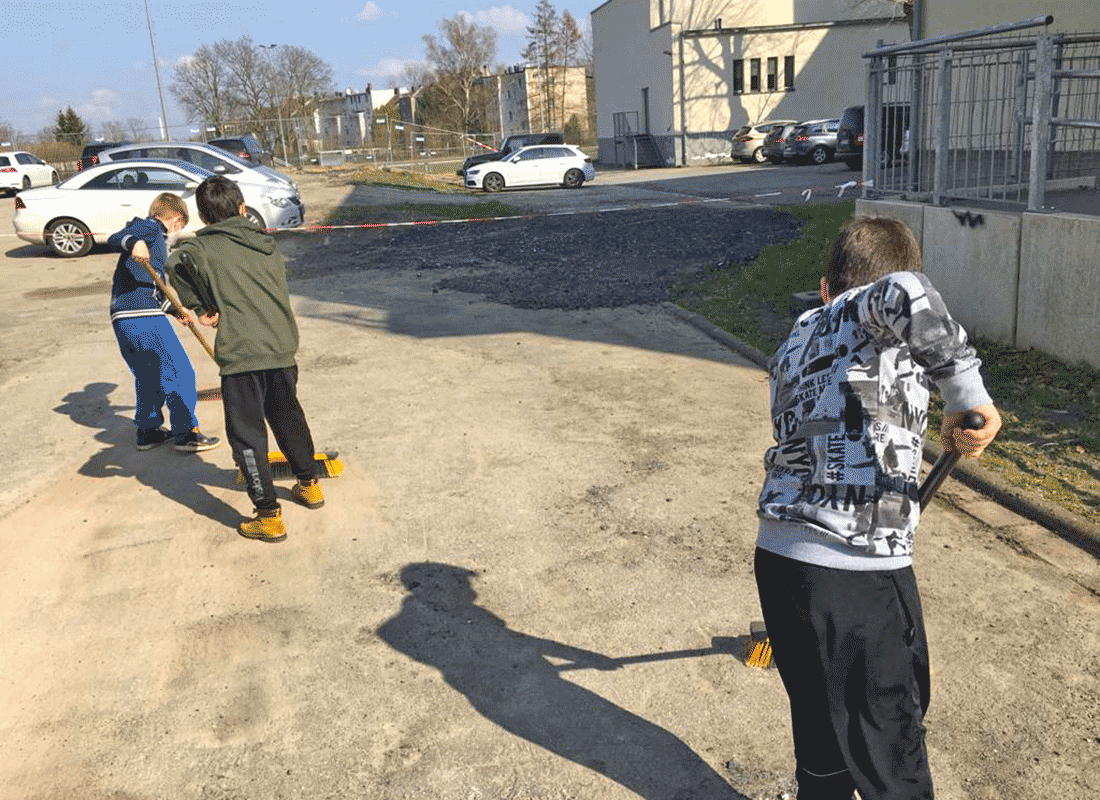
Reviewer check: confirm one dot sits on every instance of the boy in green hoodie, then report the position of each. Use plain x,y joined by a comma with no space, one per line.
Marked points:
234,278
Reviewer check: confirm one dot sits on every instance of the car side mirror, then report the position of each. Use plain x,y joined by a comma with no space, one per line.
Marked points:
514,159
191,185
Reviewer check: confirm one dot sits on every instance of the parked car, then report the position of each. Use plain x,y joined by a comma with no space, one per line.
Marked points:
246,148
748,142
813,141
775,141
95,202
542,165
202,155
511,145
90,155
20,170
895,132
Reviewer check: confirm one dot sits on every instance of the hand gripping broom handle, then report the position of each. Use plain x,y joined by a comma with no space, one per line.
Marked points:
936,476
177,309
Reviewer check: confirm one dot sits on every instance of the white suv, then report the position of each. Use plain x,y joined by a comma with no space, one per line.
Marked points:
282,206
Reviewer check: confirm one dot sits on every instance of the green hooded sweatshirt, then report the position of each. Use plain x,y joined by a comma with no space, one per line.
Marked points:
238,269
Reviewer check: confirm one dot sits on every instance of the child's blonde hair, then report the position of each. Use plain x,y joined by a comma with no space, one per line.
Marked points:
167,204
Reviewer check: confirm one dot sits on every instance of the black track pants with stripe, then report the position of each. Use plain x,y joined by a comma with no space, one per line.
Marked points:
250,398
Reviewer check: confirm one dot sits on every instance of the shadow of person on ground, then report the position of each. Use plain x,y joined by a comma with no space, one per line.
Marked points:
178,476
507,677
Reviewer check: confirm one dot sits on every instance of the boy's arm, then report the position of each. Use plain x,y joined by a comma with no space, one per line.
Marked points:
181,279
136,240
905,306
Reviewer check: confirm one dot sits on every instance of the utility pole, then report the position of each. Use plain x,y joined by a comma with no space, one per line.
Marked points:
278,110
156,68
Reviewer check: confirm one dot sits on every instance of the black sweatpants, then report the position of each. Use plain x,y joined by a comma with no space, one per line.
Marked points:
250,398
851,651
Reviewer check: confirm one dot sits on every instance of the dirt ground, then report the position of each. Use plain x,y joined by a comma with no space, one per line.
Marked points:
532,583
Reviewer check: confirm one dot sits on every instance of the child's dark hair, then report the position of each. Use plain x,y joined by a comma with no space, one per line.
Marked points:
870,248
218,198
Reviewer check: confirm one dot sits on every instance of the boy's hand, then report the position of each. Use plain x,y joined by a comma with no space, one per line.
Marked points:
140,251
209,320
969,443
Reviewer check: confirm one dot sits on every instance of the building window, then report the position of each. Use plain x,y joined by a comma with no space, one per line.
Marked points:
788,72
754,75
773,74
739,76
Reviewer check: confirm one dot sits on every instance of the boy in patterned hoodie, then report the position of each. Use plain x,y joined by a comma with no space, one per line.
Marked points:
163,374
838,511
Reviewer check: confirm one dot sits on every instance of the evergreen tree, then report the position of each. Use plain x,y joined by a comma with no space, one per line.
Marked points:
70,127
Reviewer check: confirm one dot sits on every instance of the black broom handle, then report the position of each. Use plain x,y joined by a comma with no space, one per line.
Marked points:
936,476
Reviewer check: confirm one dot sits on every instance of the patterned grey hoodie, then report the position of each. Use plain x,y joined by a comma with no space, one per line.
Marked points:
849,403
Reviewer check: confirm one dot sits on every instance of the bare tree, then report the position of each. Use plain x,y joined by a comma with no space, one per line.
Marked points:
544,52
249,78
455,59
136,128
201,85
113,131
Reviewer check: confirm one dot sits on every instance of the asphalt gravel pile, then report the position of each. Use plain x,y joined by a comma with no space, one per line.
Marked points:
580,261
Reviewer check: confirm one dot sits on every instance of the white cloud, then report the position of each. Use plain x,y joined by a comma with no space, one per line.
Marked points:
503,19
389,68
101,107
370,12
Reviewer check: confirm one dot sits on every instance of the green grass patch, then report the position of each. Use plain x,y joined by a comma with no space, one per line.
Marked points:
752,300
1050,442
417,212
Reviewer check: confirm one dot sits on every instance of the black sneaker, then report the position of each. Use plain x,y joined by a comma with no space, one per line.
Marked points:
152,437
195,442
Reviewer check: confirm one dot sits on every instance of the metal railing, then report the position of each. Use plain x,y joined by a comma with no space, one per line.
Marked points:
985,115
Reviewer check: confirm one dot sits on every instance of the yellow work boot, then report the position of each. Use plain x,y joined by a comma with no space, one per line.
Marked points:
266,526
308,493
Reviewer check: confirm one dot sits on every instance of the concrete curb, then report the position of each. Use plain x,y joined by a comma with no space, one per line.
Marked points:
1074,529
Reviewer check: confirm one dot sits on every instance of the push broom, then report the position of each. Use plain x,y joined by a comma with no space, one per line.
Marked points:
328,465
758,649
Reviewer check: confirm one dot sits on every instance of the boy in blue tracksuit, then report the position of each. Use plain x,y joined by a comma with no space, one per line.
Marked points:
163,374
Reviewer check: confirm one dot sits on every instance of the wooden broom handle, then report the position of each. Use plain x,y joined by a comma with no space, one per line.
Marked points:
177,309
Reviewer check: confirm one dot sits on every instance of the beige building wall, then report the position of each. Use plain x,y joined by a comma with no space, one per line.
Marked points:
672,62
951,16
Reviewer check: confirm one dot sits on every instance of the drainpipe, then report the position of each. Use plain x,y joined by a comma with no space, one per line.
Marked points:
916,22
683,103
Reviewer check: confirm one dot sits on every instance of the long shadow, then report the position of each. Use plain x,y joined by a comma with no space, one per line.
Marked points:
178,477
507,677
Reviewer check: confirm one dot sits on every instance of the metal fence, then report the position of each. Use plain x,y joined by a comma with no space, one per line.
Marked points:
991,115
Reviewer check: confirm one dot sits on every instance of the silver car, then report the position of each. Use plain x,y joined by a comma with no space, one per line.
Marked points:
276,185
748,142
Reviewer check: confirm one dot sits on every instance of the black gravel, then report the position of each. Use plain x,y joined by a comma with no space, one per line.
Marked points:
590,260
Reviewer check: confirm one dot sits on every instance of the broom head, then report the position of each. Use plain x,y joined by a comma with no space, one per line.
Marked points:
328,466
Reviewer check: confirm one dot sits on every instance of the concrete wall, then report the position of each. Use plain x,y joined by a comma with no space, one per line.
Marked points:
951,16
1022,279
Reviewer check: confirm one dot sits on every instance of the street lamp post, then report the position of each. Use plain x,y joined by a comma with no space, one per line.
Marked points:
278,111
156,68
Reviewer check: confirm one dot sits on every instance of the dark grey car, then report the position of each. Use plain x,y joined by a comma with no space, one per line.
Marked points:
245,148
813,142
775,141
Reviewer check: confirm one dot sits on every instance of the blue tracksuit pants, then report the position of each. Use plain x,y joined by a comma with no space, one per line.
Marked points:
163,374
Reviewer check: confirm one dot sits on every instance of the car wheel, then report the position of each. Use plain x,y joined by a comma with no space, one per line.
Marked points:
758,155
69,238
54,180
26,182
254,217
493,182
573,179
819,155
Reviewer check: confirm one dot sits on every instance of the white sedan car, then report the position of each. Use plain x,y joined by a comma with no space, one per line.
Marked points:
20,170
538,165
96,202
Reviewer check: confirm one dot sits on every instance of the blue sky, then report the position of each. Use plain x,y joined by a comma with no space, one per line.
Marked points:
96,57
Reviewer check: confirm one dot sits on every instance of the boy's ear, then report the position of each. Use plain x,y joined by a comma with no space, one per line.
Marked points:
240,211
824,290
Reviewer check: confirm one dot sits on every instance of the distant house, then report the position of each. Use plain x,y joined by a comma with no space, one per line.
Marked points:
526,99
688,75
341,120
